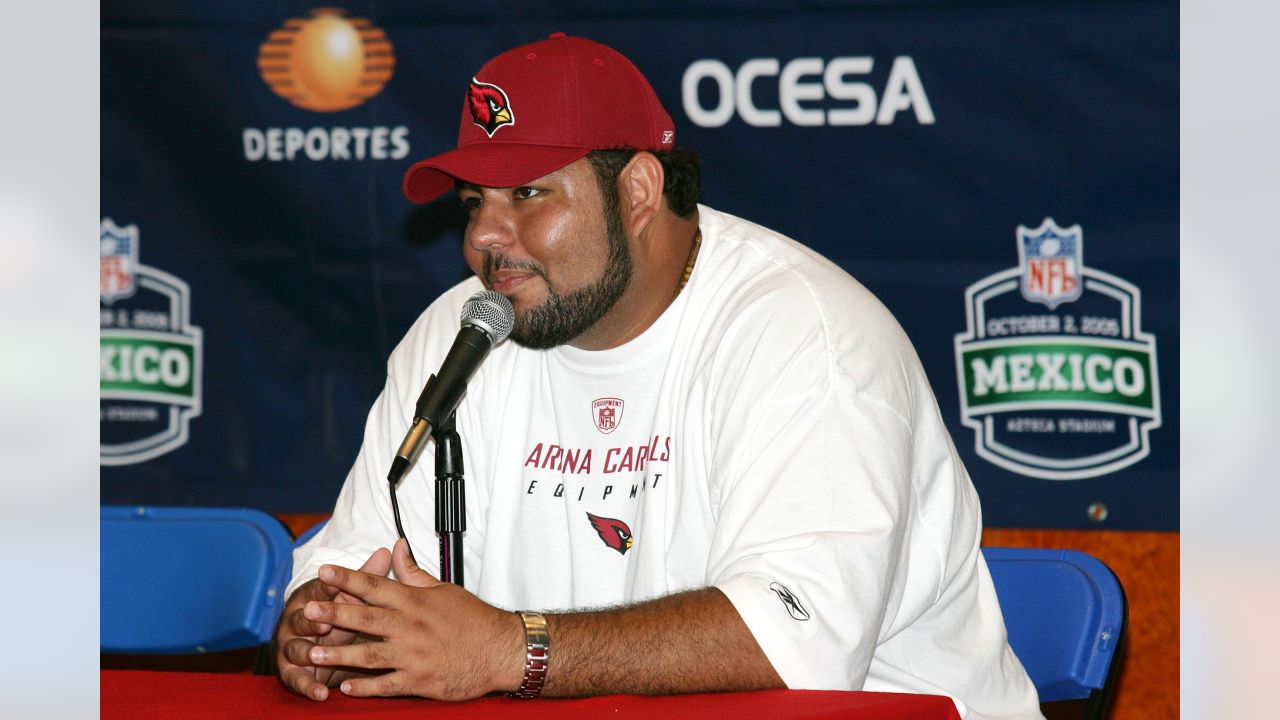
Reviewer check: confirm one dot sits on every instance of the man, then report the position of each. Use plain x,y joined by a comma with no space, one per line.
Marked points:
714,452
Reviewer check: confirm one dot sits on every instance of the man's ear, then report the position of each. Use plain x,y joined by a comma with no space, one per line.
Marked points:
640,191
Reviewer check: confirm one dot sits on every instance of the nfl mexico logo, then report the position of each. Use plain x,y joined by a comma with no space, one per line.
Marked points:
1070,394
1051,260
119,248
607,414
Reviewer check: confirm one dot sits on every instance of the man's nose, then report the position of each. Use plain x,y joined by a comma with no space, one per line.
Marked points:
491,228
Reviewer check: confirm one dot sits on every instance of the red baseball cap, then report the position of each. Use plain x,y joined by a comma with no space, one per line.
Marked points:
536,108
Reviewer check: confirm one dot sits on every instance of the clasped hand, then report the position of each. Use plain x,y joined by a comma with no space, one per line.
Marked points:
421,636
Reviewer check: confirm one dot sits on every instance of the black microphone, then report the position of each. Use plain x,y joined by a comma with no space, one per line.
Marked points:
487,319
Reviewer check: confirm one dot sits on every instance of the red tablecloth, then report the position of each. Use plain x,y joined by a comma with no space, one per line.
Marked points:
139,695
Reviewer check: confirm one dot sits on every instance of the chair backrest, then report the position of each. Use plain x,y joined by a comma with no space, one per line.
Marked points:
182,580
1066,613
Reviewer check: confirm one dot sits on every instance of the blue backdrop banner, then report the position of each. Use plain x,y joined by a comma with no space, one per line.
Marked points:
1004,176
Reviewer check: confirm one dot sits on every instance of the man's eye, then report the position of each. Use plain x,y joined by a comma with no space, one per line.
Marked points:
470,203
526,192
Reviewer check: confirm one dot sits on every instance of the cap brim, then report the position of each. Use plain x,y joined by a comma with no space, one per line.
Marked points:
487,165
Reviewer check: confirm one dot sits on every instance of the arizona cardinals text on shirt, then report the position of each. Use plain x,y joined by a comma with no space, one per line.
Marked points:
577,461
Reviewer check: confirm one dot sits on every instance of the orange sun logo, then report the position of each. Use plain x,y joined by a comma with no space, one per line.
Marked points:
327,62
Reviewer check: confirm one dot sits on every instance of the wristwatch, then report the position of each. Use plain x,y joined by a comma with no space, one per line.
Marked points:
537,655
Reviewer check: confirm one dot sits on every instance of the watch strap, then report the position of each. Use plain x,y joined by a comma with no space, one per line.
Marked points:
537,655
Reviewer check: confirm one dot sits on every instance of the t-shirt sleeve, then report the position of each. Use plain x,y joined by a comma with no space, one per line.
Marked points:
812,480
362,520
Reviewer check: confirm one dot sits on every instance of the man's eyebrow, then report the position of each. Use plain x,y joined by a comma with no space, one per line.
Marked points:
464,185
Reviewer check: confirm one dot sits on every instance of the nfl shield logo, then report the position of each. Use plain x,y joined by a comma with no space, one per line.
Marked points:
607,413
1051,259
119,248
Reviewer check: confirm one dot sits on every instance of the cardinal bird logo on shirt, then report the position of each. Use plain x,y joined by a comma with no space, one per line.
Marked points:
614,533
489,106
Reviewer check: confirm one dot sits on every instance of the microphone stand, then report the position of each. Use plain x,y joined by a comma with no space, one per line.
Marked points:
451,505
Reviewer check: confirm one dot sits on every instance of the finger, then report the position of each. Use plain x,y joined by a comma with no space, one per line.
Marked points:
337,636
297,651
343,597
371,656
372,589
358,618
302,681
333,677
392,684
377,564
340,636
305,627
407,571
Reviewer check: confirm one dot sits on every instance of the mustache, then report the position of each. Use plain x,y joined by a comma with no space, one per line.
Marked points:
502,262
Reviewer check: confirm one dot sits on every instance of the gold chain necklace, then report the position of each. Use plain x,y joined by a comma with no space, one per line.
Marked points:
693,258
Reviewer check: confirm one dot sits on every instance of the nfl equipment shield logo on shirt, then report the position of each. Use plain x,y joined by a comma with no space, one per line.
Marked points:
119,248
607,413
1051,261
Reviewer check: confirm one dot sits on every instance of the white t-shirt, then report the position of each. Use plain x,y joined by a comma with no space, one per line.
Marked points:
772,434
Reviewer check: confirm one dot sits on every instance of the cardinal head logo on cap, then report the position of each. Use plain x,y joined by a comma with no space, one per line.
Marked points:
490,108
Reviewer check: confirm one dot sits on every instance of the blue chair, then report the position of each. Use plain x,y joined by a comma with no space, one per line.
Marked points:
179,580
1066,614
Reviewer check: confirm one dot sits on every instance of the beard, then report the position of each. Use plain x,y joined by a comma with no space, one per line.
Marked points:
562,317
